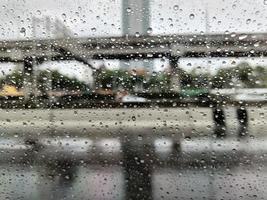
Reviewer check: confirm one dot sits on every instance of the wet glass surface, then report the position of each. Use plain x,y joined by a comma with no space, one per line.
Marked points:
133,99
188,162
208,168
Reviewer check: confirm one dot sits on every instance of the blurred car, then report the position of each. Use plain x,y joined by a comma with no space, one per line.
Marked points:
133,99
250,97
125,97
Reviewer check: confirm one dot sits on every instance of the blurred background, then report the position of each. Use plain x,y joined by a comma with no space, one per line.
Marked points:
133,99
32,20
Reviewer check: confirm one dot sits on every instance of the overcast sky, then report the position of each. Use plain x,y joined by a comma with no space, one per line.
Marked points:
103,18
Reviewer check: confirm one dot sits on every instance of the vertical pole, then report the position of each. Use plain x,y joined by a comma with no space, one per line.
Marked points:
242,117
219,121
28,83
49,78
34,61
175,74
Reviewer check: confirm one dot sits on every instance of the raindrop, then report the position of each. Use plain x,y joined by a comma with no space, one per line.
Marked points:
242,37
93,29
233,34
137,34
149,30
256,44
248,21
191,16
265,2
140,137
23,31
128,10
64,15
233,62
38,12
175,7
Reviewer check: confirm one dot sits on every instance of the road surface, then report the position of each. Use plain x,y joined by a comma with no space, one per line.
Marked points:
166,153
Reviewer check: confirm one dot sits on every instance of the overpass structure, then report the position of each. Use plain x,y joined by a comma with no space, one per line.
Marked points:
141,47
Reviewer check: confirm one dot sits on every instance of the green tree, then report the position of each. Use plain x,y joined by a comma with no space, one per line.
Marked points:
117,79
244,73
59,82
15,78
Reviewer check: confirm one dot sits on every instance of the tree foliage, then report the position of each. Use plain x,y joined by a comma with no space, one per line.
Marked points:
59,81
243,75
15,78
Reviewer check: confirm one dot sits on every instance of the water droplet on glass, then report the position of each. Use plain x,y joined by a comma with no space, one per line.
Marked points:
175,7
248,21
23,31
233,34
137,34
128,10
233,62
265,2
191,16
256,44
140,137
149,30
93,29
242,37
64,15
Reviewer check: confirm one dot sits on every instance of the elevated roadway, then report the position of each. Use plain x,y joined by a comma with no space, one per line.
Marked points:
129,47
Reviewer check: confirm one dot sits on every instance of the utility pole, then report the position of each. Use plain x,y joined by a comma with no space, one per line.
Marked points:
35,71
29,70
43,23
49,78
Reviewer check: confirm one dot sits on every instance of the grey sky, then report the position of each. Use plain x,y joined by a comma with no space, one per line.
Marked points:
103,17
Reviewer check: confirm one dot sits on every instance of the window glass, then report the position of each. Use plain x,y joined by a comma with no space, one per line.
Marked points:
133,99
